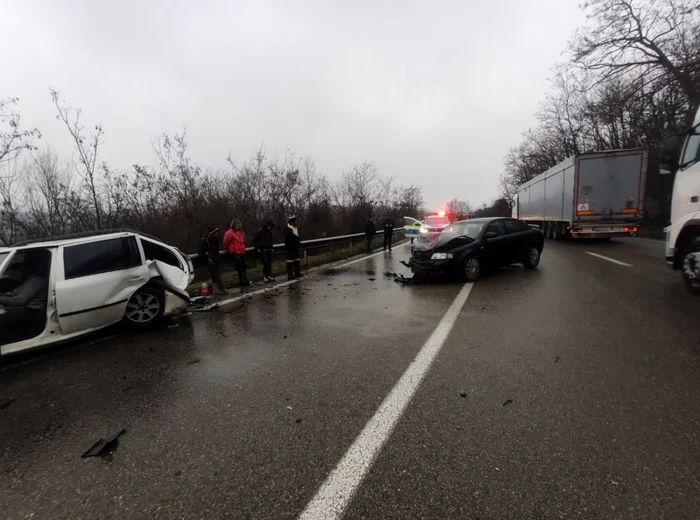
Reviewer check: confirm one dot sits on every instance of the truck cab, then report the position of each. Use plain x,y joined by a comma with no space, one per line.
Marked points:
681,155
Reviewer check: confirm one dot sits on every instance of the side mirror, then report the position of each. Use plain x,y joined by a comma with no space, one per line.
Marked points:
490,234
670,153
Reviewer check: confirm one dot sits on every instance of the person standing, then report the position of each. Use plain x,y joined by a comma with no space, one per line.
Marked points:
234,244
370,231
291,247
209,253
263,246
388,232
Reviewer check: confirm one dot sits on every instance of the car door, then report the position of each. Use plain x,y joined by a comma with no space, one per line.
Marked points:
519,239
170,265
96,281
497,249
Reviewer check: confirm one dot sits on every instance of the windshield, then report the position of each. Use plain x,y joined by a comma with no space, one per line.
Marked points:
468,229
691,154
437,221
3,257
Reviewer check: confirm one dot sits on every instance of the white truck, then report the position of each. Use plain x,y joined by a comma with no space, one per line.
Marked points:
681,155
593,195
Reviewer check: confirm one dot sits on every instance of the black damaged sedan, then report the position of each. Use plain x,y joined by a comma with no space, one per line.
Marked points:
467,247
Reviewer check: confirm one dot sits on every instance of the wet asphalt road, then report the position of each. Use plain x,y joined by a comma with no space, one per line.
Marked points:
243,412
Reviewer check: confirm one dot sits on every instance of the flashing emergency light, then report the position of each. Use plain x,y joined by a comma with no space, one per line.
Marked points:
441,213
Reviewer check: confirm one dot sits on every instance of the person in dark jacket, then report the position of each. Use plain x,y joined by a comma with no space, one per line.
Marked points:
370,231
291,247
263,246
388,232
209,254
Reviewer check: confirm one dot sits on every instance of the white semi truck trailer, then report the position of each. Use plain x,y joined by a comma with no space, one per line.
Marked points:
593,195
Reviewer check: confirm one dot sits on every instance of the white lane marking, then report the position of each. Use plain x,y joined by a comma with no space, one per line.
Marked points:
245,296
365,258
609,259
338,489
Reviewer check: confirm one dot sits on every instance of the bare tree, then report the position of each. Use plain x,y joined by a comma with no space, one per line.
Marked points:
12,139
87,149
658,40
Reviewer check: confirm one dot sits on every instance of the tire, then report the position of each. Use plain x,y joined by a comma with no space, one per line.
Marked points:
471,269
691,266
145,307
533,258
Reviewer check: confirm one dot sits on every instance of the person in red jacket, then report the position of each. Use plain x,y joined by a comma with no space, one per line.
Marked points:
234,244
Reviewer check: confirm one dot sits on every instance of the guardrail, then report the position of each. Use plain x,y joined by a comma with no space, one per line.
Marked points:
317,243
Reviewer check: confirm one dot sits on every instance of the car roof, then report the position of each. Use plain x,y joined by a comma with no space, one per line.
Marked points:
48,243
480,220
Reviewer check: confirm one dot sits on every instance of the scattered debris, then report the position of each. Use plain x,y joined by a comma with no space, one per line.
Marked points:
289,407
298,420
193,361
463,394
174,325
371,279
508,401
178,473
199,300
556,359
127,388
285,337
104,447
4,403
399,278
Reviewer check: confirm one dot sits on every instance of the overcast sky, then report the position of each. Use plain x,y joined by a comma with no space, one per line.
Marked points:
433,92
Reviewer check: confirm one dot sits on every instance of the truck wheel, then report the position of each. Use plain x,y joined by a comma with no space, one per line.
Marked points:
691,266
145,307
471,270
533,258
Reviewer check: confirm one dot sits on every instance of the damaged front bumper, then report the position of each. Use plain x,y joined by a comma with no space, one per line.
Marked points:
427,267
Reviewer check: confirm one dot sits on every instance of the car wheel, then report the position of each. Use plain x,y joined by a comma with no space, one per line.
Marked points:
533,257
145,307
471,270
691,266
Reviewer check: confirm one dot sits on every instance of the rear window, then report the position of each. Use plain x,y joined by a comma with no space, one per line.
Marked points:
153,251
437,221
104,256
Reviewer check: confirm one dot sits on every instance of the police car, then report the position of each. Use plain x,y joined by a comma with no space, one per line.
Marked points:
435,222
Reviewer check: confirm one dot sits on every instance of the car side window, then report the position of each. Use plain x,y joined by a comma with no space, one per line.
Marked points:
153,251
103,256
497,226
513,226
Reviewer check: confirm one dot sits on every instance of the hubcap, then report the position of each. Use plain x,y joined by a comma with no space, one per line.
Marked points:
691,266
534,256
473,268
142,308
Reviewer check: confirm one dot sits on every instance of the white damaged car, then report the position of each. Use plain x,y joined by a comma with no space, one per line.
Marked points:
92,282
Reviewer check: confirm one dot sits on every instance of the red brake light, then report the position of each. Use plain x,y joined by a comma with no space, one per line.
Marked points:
441,213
